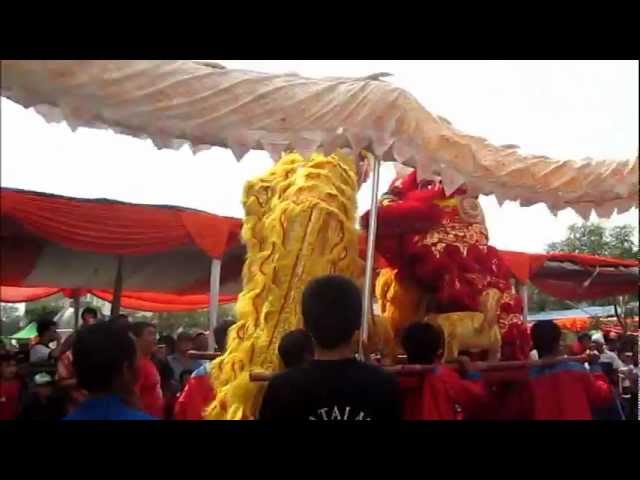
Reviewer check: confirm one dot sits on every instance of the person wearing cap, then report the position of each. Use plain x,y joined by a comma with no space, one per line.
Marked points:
179,360
606,355
43,402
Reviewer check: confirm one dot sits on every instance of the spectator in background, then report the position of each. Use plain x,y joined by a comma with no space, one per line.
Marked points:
105,359
168,343
606,355
582,345
179,360
10,387
47,334
296,348
335,386
201,342
441,394
65,374
199,392
628,386
184,378
149,387
44,402
564,390
120,322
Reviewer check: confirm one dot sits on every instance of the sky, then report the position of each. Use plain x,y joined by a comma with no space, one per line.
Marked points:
562,109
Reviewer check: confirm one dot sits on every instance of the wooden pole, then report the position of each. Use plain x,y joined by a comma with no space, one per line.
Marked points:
259,376
214,294
197,355
117,289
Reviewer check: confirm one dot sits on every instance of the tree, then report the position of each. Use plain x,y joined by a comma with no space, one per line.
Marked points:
594,239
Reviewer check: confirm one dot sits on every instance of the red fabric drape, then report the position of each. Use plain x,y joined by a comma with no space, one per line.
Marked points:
161,302
25,294
143,301
116,228
575,291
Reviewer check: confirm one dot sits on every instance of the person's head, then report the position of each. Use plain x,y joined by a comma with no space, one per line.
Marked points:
295,348
627,358
8,367
597,342
47,328
89,316
331,311
546,338
201,342
43,385
169,344
220,333
120,321
145,335
184,343
184,378
584,339
611,340
423,343
104,359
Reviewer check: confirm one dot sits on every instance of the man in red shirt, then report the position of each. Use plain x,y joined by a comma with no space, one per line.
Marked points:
440,394
582,345
148,387
564,390
199,393
10,387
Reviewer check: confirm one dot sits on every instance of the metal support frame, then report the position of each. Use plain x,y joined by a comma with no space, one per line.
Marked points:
76,309
117,289
214,295
371,249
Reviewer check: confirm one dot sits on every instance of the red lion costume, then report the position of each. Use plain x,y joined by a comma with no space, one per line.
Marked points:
437,247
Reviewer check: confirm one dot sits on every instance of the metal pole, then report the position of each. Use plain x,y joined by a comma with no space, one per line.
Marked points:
371,250
76,309
117,289
524,295
214,294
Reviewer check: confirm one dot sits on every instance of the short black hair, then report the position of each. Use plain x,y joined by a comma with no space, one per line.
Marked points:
120,321
331,310
100,352
220,333
295,348
546,337
169,342
44,323
422,342
89,311
8,357
138,328
584,336
185,373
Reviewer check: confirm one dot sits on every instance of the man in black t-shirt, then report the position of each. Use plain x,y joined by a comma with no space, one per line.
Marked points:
334,386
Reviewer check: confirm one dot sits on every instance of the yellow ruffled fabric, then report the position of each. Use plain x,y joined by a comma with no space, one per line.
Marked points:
299,224
401,303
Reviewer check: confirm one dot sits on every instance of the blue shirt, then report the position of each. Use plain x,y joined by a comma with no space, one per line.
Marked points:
106,407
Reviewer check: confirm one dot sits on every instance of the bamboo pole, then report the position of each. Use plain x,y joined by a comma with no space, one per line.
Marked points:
260,376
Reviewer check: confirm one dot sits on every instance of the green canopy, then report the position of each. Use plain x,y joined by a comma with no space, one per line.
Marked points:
26,333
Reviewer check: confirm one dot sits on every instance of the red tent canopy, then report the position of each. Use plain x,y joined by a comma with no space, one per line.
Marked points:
573,276
51,244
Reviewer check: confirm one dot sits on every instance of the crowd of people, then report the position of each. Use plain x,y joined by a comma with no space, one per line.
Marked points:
119,370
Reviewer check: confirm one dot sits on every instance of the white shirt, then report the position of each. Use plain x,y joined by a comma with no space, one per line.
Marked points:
39,353
610,357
